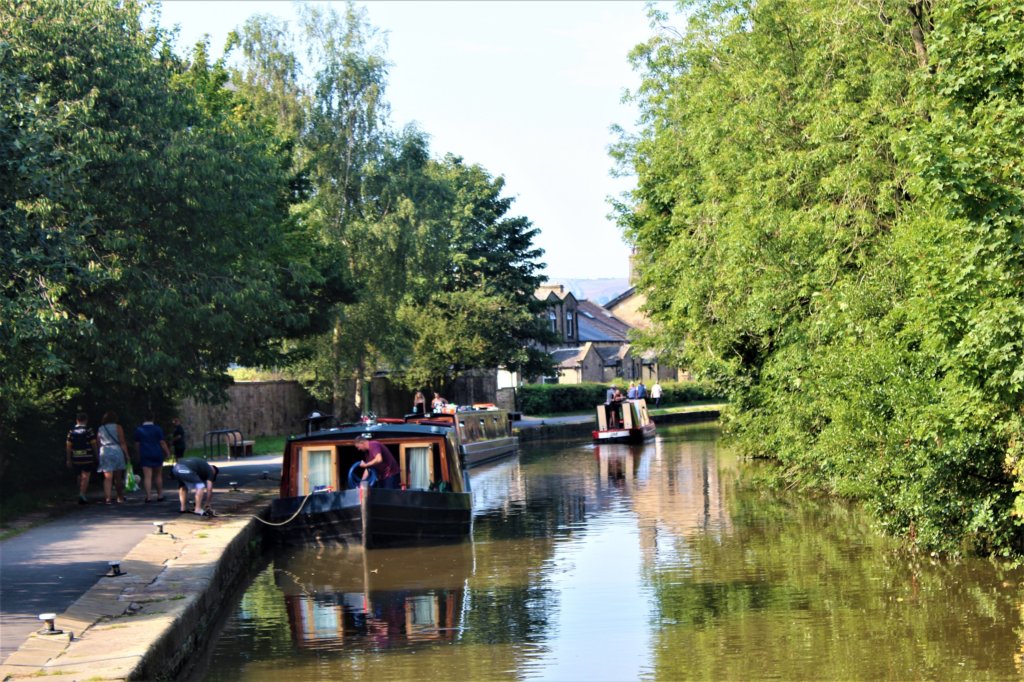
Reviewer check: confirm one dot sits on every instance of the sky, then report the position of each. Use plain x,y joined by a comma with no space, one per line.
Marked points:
528,90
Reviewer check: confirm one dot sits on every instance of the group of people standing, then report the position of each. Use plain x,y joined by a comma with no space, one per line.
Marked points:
636,391
419,403
106,451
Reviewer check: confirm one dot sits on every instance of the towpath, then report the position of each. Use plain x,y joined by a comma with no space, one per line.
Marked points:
48,567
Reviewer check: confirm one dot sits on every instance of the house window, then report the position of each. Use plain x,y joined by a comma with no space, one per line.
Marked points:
554,320
568,324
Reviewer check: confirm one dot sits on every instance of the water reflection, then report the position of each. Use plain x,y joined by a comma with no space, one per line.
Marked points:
338,599
629,562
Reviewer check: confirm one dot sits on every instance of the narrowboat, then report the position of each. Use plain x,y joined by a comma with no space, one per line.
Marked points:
484,431
323,499
624,422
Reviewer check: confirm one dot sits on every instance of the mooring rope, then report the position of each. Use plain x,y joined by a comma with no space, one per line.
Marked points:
290,518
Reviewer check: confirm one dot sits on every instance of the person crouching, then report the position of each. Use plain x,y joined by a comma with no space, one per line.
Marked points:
199,475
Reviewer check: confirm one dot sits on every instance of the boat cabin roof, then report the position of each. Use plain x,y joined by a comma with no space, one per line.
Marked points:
379,430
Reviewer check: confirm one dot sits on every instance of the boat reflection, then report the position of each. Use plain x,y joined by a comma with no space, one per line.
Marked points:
338,599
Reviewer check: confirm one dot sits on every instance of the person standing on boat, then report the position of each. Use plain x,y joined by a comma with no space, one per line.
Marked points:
641,390
611,406
377,456
438,403
419,403
631,393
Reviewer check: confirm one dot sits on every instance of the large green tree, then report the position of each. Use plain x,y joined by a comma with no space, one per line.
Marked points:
828,222
146,234
442,278
480,270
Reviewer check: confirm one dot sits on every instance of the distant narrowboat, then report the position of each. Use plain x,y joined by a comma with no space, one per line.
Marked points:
624,422
323,499
484,431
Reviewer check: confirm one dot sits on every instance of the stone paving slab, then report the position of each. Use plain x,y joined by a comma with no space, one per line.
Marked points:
125,627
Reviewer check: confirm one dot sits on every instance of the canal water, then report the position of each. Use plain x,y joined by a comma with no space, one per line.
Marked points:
654,562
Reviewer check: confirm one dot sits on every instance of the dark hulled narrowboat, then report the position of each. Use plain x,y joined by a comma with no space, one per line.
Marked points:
323,499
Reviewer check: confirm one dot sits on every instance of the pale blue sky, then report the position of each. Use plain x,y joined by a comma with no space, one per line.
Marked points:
526,89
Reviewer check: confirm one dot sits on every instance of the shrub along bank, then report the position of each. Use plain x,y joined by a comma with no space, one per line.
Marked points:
555,398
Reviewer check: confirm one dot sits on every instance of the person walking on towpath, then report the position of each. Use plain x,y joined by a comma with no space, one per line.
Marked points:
199,475
82,453
113,456
152,447
178,438
656,393
377,456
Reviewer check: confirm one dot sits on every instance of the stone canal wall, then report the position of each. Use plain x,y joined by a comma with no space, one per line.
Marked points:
146,624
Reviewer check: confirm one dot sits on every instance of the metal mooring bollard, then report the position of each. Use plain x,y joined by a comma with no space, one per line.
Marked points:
266,475
159,527
234,486
49,619
115,569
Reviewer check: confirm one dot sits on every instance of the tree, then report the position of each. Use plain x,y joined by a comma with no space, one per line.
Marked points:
825,224
146,218
479,309
422,243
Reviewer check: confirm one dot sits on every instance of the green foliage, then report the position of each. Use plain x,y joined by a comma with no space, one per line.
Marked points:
472,302
829,220
555,398
443,277
147,237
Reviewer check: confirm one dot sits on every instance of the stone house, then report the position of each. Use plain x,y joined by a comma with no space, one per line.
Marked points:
593,344
628,307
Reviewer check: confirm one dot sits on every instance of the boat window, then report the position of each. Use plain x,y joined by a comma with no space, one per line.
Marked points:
316,470
419,468
417,465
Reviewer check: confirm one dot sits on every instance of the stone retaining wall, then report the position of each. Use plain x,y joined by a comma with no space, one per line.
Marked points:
145,625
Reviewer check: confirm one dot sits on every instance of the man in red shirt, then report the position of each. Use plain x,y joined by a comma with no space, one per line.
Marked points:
378,456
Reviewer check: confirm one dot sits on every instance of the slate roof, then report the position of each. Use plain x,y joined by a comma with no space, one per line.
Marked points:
597,324
620,298
566,357
611,355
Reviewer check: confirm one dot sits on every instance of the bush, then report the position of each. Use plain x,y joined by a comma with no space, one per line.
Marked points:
555,398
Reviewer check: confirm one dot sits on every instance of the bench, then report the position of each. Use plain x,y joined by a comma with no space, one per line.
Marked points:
237,446
242,448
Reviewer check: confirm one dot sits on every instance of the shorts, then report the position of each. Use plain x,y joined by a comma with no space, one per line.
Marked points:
187,478
84,468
